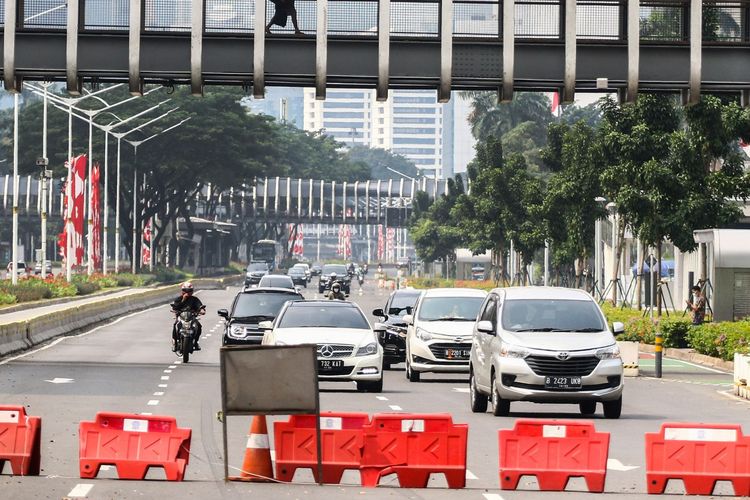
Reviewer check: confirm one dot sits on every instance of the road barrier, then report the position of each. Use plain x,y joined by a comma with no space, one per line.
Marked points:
133,443
341,437
699,455
20,441
257,466
553,451
413,446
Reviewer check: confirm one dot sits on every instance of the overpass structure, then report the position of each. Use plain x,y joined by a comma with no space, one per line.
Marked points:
623,45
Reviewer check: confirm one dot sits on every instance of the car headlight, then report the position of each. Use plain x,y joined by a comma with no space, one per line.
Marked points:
423,335
238,332
512,351
368,349
611,352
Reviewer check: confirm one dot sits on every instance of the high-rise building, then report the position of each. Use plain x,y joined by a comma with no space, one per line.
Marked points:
283,103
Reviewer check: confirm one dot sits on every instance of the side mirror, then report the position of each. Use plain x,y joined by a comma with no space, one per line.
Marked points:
409,319
618,327
223,313
265,325
379,313
486,327
379,327
409,309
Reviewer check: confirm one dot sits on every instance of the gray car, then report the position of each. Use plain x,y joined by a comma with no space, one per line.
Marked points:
544,345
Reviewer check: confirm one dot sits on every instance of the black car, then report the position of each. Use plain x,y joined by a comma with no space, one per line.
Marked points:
249,308
400,303
315,270
298,275
342,276
255,271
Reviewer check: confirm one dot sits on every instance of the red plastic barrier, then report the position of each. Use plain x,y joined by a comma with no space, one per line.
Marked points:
133,443
20,441
553,451
413,446
296,445
699,455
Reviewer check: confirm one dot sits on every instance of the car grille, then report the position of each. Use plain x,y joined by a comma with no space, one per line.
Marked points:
574,366
438,350
339,351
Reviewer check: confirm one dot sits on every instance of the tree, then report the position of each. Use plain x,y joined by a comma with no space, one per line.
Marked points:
383,163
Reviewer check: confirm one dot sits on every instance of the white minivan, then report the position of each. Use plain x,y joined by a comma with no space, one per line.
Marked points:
438,334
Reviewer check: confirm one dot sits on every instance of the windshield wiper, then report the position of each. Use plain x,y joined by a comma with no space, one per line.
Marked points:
560,330
255,316
450,319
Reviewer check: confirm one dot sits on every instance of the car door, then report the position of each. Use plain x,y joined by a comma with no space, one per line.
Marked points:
483,343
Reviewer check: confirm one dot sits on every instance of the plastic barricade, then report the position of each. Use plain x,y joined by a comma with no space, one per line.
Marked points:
699,455
413,446
133,443
20,441
341,443
553,451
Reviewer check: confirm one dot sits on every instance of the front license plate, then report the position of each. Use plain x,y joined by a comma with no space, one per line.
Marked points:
329,364
457,354
562,382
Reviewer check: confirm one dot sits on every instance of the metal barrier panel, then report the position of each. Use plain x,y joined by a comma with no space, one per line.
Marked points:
168,15
600,19
538,19
109,15
476,19
230,16
2,12
415,19
725,21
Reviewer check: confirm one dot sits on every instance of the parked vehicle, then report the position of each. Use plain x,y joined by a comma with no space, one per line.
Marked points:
254,272
47,267
438,337
298,276
249,308
545,345
393,338
20,268
276,281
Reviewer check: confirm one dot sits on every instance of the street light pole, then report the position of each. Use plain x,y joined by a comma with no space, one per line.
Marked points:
43,179
14,251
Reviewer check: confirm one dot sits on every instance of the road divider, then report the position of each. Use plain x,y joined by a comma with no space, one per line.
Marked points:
699,455
20,441
133,443
553,451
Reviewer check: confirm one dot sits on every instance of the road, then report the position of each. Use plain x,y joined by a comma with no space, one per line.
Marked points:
127,366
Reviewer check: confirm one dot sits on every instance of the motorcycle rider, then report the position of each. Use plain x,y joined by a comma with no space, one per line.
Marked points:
336,293
188,302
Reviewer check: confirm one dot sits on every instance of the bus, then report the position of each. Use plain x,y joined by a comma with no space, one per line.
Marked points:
269,251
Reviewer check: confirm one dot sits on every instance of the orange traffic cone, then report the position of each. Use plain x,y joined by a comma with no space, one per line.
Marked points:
257,467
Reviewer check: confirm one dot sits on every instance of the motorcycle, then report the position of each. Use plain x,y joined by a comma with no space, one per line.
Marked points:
187,330
361,279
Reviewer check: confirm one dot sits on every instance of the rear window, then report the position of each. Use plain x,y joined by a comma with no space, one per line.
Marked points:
323,317
280,281
261,305
334,268
548,315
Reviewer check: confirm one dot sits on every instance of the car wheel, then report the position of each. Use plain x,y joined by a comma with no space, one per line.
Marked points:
613,409
587,407
500,406
368,386
478,400
411,374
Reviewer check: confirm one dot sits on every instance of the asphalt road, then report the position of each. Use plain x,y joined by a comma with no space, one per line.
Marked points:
127,366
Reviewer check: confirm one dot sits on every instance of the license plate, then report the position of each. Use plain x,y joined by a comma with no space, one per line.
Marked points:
330,364
457,353
562,382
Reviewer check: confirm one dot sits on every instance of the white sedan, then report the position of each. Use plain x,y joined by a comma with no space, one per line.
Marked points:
348,349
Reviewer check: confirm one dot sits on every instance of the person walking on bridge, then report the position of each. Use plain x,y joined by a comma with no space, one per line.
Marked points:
284,9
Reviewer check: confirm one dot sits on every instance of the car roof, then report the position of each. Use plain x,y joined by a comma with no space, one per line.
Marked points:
271,289
269,277
413,292
318,303
543,292
454,292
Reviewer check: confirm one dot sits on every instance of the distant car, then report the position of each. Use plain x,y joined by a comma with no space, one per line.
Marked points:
348,348
249,308
255,271
315,270
393,339
305,267
20,269
47,267
276,281
545,345
298,276
438,337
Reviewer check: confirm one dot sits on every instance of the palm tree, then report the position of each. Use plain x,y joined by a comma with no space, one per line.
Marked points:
490,118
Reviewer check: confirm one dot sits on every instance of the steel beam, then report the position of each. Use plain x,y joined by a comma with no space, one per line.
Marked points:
134,47
196,47
634,49
446,50
569,83
321,49
71,49
509,49
259,51
384,49
696,50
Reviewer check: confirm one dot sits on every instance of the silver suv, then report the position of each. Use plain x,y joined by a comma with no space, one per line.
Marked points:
544,345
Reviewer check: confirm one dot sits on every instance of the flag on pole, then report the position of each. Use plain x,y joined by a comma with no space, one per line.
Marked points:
96,216
555,108
299,248
146,244
389,241
381,243
73,211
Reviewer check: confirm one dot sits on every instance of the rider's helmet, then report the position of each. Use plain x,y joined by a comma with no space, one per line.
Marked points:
336,287
333,276
187,287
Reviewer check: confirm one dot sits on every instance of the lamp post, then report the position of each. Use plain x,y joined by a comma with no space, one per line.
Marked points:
612,209
598,246
14,247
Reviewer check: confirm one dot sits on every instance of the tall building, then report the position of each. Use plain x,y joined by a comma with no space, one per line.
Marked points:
282,103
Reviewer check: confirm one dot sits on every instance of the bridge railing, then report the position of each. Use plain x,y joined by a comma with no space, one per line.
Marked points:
661,21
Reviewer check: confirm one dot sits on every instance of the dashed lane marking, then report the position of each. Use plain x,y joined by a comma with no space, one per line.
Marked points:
153,402
461,389
382,398
492,496
80,490
173,366
614,464
395,408
165,377
167,371
163,386
470,475
158,394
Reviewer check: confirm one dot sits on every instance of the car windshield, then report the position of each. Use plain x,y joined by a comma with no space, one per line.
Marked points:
334,268
260,266
549,315
450,308
265,305
400,303
323,317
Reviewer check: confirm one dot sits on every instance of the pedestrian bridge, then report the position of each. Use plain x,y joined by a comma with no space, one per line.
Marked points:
623,45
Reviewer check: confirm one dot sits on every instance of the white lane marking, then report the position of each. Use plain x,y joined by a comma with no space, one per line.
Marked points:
55,342
167,371
470,475
142,413
382,398
614,464
492,496
153,402
208,335
158,394
395,408
163,386
58,380
177,362
461,389
165,377
173,366
80,490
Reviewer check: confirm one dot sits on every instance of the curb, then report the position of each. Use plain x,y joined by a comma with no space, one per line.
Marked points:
691,356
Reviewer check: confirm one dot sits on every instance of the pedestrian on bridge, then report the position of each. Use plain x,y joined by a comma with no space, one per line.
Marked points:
284,9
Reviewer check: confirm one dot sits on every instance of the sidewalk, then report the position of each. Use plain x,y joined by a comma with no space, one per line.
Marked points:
12,317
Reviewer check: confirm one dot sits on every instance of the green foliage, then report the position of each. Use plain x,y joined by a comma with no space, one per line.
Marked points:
136,280
435,231
720,340
639,330
7,298
674,331
86,287
168,275
379,161
27,290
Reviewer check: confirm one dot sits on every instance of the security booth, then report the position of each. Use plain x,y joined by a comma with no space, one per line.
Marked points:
724,271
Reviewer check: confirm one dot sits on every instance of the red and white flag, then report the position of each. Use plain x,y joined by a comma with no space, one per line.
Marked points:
390,243
555,108
96,216
299,244
381,243
73,211
146,244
